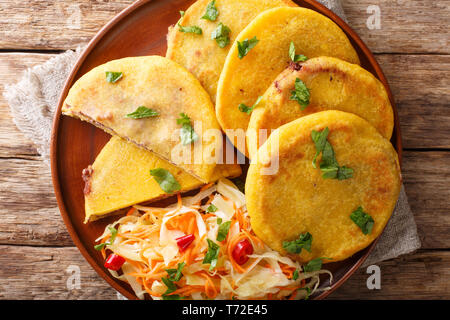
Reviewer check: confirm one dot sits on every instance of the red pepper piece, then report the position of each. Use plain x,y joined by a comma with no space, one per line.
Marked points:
114,262
184,241
241,251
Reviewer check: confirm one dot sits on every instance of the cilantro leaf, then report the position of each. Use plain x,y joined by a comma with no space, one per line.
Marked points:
319,139
328,165
248,110
166,180
190,29
211,11
171,287
142,112
295,57
344,173
219,221
171,297
187,133
295,275
314,265
223,231
222,35
308,292
303,242
363,220
245,46
301,94
113,232
113,77
211,208
175,274
212,254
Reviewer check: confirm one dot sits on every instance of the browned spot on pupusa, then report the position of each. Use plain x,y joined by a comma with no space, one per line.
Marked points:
198,53
87,175
277,86
104,116
295,66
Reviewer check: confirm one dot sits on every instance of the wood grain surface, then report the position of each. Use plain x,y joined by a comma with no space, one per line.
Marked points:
412,48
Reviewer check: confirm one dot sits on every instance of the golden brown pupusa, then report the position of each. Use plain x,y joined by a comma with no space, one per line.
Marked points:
154,82
242,81
297,199
199,53
333,84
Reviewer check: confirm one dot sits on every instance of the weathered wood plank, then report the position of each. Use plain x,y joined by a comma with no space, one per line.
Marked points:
423,275
406,26
13,142
412,26
25,186
419,83
426,176
41,273
45,25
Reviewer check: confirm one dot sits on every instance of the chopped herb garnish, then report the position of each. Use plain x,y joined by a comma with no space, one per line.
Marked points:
300,94
171,287
328,165
295,57
248,110
113,232
295,275
245,46
171,297
308,292
363,220
219,221
166,180
211,11
113,77
211,208
319,139
303,242
222,35
142,112
212,254
223,231
190,29
314,265
187,133
175,274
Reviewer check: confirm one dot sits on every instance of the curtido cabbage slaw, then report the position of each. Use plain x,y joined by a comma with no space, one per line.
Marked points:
202,247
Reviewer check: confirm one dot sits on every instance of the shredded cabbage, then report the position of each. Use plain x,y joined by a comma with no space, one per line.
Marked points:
148,243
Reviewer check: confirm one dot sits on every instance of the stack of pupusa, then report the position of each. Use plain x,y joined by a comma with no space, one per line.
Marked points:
238,50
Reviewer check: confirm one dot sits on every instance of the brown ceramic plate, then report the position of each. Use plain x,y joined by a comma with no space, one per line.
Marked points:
141,30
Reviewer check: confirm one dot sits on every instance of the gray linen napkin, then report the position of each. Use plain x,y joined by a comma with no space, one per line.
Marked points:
34,98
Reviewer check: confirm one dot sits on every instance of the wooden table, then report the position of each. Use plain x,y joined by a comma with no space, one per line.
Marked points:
412,47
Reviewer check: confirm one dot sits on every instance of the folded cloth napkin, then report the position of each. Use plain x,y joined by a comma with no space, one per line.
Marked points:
33,101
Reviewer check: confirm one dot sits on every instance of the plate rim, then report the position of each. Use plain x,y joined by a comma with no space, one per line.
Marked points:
88,49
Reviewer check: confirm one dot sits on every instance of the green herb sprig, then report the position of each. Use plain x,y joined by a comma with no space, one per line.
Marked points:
304,241
300,94
245,46
211,11
363,220
328,165
222,35
166,180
